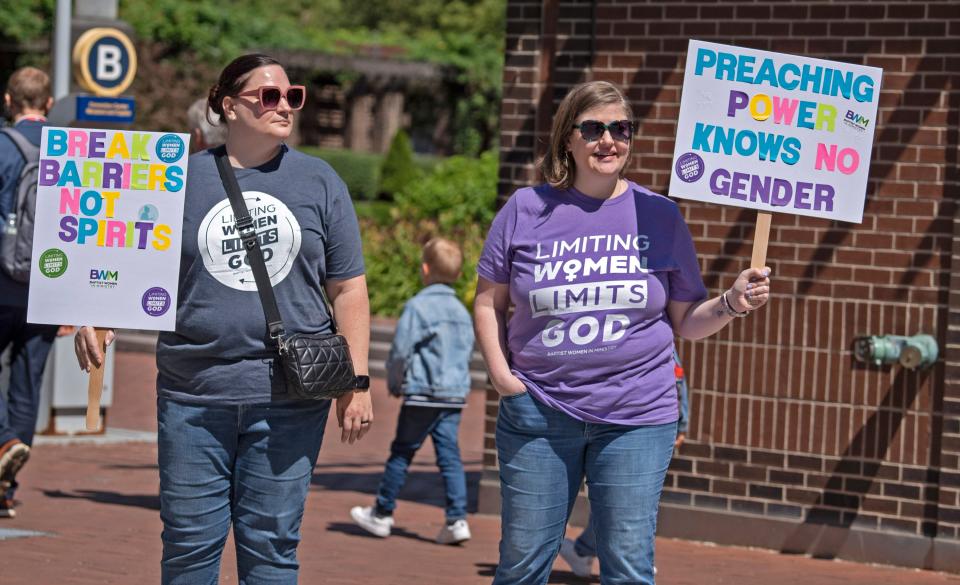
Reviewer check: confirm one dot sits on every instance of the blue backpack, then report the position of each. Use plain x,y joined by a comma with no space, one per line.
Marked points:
16,245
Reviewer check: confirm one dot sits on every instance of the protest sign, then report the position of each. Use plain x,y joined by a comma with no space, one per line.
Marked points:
106,241
107,230
775,132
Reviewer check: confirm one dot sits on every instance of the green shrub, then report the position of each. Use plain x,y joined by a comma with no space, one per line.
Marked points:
378,211
458,190
456,200
398,170
359,170
392,255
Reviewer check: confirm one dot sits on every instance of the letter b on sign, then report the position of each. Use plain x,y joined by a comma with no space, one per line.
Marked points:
108,63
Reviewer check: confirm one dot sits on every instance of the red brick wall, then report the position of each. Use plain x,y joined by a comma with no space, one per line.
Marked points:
784,424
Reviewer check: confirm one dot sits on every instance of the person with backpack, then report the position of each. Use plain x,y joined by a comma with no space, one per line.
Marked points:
27,98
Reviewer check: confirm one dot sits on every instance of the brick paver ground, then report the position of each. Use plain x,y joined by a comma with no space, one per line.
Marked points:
98,506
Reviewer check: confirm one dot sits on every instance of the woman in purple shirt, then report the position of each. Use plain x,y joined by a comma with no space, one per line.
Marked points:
602,274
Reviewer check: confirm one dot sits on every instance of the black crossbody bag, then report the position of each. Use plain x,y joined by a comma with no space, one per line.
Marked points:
316,366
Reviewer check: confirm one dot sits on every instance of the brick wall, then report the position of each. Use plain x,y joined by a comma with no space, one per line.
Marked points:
793,445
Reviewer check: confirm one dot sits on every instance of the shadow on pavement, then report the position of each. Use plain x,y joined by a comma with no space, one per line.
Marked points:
557,576
424,487
354,530
378,465
150,502
130,466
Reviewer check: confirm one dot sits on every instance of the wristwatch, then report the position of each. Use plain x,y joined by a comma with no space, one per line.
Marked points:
361,383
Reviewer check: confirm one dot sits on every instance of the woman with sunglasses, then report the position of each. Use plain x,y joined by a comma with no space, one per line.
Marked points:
602,274
236,449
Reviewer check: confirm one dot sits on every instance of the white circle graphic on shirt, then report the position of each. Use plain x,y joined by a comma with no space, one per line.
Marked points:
222,250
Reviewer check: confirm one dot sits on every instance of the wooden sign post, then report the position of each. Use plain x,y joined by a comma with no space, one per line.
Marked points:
95,385
761,236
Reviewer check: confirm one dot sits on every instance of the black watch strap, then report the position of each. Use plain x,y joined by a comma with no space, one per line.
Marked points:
361,383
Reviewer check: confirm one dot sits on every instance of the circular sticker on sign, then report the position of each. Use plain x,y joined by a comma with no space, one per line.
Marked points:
53,263
689,167
148,212
155,301
224,257
170,148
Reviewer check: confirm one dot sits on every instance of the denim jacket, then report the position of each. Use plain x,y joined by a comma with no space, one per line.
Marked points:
430,355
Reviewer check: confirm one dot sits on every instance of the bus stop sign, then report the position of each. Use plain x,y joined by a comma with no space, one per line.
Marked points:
105,61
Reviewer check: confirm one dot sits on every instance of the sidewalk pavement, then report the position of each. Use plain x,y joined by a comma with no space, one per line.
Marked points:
89,515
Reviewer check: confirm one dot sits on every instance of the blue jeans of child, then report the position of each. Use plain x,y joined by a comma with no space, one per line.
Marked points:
413,426
29,347
586,543
544,454
245,466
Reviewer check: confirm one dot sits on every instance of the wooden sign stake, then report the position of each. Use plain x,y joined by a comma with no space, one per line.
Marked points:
761,237
95,386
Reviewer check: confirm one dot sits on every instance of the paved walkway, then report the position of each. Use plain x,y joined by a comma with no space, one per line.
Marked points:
90,516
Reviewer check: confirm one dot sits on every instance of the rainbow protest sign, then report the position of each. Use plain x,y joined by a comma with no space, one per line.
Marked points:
106,244
775,132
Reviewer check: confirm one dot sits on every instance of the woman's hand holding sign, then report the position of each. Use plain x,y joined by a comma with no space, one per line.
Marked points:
90,346
696,320
751,290
89,352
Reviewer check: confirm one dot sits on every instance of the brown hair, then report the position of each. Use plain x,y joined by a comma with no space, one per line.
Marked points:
557,166
444,259
29,87
232,79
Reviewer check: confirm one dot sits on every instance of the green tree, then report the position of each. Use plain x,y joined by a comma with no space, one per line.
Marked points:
26,21
398,170
466,36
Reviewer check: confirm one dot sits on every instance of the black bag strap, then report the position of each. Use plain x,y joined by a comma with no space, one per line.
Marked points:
251,244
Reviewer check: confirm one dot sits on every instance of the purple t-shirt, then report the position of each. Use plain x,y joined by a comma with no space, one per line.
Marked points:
590,335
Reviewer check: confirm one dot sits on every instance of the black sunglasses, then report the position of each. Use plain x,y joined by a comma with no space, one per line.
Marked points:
592,130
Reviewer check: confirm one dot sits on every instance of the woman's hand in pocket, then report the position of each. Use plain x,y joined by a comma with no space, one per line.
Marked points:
509,386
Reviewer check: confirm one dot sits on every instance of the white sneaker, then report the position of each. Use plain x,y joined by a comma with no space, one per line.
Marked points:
582,566
454,533
375,525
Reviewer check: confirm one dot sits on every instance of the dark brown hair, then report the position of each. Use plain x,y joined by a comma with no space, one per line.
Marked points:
29,87
232,79
557,166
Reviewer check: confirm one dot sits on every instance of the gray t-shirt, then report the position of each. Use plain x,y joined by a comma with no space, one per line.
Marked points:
308,232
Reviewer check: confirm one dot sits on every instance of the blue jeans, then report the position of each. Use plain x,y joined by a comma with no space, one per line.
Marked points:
544,454
413,426
246,466
29,347
586,543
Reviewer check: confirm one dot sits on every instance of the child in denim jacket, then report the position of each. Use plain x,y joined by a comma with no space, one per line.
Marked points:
428,366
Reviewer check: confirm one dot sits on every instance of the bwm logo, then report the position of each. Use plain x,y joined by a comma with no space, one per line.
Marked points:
856,120
104,278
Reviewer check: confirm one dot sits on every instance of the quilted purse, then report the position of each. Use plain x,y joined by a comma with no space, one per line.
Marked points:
316,366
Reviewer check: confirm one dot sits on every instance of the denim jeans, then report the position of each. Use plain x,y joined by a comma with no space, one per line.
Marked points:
246,466
544,454
586,543
29,347
413,426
